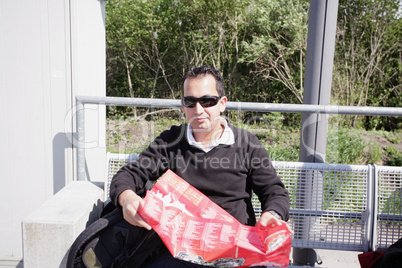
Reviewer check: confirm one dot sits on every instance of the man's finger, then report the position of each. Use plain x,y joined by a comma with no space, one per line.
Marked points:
141,223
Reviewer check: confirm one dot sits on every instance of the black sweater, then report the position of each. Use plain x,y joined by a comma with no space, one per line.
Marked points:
227,174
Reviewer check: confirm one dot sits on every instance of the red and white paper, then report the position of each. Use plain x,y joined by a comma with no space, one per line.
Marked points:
197,230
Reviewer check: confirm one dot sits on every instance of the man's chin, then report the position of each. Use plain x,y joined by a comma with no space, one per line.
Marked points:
201,128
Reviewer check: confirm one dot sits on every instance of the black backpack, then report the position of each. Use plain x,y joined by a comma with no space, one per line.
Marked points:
113,242
392,257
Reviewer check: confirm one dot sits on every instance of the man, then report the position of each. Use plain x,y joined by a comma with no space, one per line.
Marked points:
223,162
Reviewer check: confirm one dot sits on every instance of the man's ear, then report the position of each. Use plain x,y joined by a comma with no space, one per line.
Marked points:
223,102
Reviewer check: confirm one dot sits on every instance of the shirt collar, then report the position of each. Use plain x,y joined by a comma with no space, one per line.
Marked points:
227,137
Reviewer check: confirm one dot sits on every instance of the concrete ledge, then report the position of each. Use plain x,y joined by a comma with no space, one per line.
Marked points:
11,262
49,231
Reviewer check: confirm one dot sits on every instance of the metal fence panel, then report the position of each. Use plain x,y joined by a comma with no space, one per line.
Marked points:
114,163
329,204
388,212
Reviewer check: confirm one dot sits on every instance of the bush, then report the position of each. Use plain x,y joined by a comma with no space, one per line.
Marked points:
282,153
395,156
374,153
344,147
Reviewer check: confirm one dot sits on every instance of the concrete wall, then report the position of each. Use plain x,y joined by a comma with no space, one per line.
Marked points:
50,52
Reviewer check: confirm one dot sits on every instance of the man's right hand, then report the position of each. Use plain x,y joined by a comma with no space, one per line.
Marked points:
131,203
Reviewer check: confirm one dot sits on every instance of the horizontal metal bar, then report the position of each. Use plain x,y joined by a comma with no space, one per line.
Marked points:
389,217
249,106
138,102
308,108
305,243
320,213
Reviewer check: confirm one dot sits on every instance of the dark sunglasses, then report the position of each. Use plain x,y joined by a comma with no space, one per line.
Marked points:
208,101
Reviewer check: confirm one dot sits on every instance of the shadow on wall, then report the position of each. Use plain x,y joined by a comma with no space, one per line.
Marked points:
61,142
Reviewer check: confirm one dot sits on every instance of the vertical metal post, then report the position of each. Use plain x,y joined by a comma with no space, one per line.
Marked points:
371,214
318,78
313,138
80,142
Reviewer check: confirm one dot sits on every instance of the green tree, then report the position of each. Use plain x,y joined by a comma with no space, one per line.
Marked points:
278,44
258,45
139,41
157,41
211,32
367,68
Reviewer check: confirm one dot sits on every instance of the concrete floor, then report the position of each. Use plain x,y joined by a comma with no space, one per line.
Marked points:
330,259
338,259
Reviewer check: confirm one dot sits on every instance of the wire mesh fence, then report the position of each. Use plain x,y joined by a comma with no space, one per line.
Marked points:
114,163
388,212
329,204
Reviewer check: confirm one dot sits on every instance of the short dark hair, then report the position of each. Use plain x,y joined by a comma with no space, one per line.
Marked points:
201,71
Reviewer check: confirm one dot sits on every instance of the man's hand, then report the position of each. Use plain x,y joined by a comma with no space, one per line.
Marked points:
131,203
268,219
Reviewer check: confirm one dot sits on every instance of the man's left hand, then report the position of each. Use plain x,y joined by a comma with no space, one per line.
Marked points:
268,219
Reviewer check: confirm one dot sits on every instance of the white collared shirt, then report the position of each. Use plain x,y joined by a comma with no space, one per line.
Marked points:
227,137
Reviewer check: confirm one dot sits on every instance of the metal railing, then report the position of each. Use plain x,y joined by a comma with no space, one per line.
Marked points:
237,106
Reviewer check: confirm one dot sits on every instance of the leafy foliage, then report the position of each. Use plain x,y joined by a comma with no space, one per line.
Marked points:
259,46
344,147
394,156
367,68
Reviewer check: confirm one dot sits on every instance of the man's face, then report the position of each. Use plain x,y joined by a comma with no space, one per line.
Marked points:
205,120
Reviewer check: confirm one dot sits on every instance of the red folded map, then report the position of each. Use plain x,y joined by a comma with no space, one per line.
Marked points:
197,230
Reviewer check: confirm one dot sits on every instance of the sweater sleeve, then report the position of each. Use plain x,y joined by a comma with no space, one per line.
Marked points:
149,166
265,182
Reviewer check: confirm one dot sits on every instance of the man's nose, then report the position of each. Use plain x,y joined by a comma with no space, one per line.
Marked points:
198,108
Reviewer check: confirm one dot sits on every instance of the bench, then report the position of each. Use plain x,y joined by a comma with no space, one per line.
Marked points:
333,206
